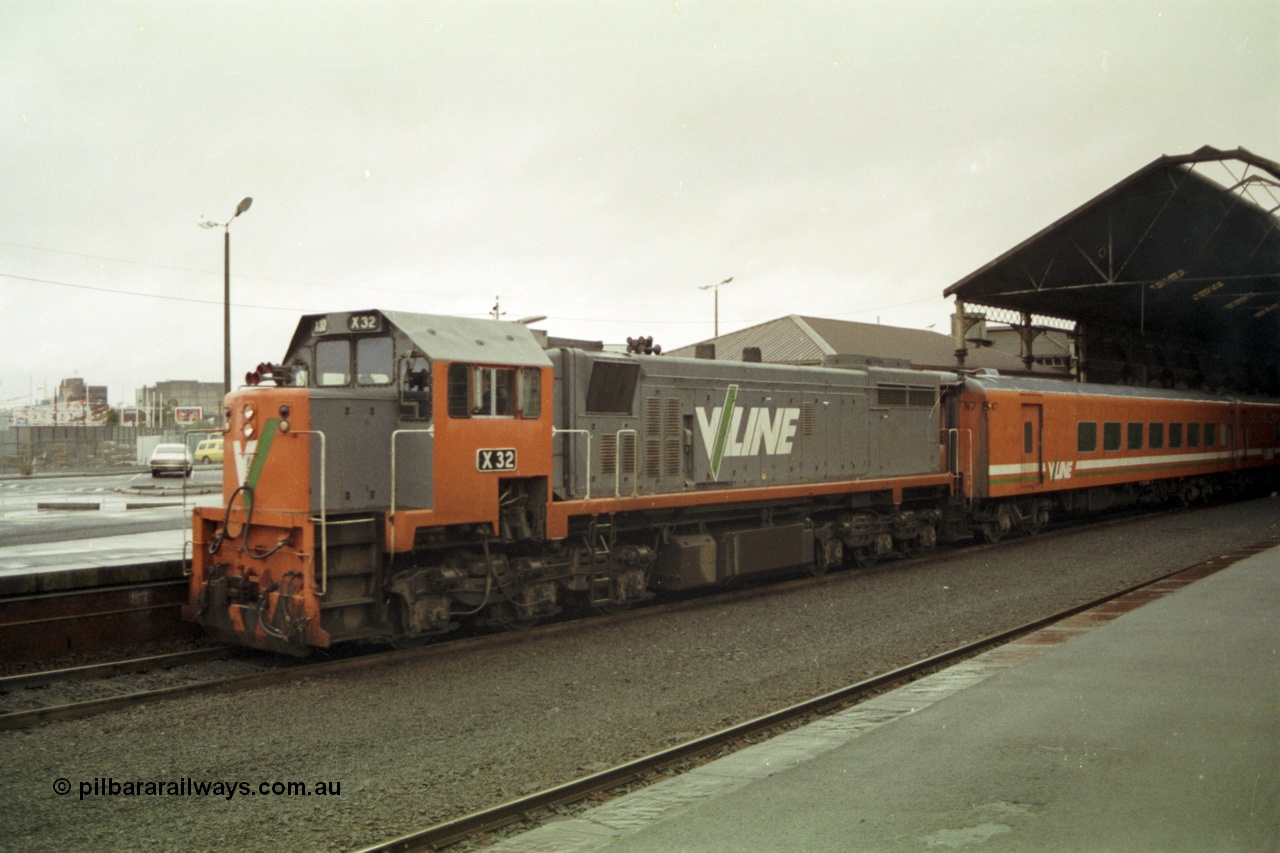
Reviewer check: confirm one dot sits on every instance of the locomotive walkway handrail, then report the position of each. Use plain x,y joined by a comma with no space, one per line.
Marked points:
391,515
635,463
957,474
557,431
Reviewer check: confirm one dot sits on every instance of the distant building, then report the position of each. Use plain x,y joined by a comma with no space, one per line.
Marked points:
816,340
75,404
180,398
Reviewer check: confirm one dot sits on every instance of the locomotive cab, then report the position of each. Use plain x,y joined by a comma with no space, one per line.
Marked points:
381,430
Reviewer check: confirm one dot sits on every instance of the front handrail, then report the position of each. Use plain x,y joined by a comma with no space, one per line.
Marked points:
324,512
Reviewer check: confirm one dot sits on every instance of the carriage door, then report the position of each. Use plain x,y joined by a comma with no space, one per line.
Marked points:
1032,456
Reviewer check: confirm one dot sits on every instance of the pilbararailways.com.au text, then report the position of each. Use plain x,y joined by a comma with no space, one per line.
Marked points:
107,786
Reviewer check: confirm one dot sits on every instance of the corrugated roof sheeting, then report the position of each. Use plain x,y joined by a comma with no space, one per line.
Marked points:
806,340
781,341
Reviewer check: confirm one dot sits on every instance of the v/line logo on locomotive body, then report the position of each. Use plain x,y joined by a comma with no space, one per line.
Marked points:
770,431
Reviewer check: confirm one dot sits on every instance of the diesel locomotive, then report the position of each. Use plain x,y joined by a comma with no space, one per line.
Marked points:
397,474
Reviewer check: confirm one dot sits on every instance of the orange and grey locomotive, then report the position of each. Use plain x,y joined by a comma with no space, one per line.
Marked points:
405,472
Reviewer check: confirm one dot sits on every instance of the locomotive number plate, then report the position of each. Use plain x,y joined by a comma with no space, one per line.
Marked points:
503,459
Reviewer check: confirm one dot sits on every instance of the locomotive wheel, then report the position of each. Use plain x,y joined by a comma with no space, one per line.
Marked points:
826,557
1036,521
997,527
925,542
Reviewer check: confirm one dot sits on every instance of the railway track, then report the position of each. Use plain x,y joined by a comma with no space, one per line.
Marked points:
41,697
31,699
580,794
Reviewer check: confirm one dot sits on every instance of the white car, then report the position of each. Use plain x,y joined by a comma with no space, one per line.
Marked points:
171,459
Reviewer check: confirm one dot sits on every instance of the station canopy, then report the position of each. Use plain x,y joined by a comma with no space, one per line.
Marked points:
1168,278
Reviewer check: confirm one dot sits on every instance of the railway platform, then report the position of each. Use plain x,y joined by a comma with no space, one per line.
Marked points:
88,563
83,595
1155,729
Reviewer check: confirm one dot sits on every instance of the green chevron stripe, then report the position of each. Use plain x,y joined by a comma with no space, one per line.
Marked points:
260,458
722,434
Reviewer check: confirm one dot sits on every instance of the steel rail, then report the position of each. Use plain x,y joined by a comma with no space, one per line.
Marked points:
526,808
110,668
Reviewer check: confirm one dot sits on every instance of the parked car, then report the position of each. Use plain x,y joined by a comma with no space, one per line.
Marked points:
209,450
171,459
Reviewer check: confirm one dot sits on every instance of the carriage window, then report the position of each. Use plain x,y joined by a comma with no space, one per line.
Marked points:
1175,435
531,392
1111,436
1135,436
1208,435
333,363
1155,436
1028,437
1193,435
1086,436
374,362
458,391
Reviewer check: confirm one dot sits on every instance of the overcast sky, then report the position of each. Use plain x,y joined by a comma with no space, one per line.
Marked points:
595,162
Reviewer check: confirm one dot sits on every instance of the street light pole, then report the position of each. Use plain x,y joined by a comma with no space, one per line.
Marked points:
226,288
717,293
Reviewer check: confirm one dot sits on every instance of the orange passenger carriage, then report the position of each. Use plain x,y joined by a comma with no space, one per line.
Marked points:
1029,447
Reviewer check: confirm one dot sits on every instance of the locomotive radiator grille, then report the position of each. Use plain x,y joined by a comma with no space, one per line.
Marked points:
662,446
608,454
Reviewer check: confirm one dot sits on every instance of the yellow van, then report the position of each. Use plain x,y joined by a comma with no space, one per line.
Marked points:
209,450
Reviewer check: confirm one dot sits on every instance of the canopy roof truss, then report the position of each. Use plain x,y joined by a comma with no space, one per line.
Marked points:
1170,270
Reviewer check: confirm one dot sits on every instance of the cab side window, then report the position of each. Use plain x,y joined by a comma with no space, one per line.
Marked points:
459,390
482,392
493,392
415,388
531,392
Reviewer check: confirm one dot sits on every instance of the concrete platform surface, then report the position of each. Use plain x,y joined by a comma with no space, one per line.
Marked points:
1157,731
86,563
